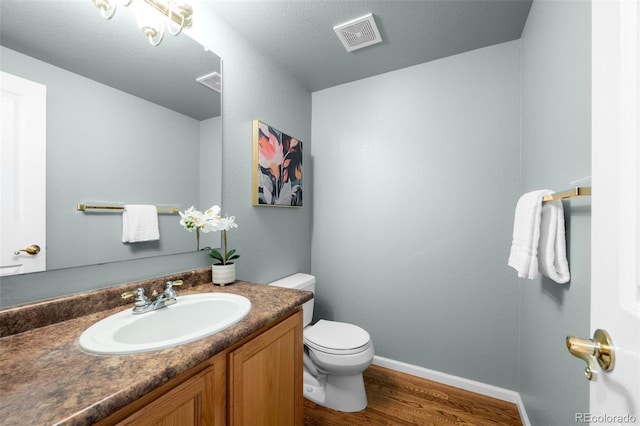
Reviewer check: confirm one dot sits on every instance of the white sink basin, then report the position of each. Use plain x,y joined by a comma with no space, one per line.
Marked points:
191,318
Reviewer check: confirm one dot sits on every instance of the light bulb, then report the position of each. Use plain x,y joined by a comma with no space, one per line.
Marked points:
149,21
146,15
107,9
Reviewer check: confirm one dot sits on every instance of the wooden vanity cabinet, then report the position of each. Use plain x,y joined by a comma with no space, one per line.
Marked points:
255,382
197,401
265,377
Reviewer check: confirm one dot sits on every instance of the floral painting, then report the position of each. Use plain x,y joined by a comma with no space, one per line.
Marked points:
277,167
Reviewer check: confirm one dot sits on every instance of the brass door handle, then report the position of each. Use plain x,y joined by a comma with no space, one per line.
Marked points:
600,348
31,250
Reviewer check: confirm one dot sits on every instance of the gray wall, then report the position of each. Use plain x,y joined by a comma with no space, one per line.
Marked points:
273,242
556,154
416,176
210,160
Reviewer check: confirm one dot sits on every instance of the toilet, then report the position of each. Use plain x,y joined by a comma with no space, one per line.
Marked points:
335,355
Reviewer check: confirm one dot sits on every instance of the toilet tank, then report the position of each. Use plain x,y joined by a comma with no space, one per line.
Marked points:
300,281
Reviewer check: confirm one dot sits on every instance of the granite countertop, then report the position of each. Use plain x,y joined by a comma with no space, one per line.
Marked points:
46,379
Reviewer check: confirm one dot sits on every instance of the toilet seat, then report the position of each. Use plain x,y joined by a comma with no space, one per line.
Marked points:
337,338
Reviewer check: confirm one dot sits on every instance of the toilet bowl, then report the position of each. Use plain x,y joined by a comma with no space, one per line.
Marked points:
335,355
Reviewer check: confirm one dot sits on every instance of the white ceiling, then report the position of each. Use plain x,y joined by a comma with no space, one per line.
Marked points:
298,34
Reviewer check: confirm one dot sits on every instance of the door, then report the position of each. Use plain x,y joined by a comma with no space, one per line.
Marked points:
23,180
615,255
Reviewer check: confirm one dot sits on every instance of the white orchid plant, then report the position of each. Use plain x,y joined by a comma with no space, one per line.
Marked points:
210,221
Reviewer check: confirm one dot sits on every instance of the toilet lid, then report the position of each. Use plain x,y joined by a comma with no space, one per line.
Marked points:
336,336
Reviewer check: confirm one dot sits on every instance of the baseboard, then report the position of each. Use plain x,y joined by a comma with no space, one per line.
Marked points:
523,412
458,382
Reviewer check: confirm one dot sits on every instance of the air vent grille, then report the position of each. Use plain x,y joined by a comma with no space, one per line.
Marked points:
358,33
213,81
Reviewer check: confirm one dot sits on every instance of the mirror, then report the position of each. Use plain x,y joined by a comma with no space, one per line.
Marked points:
127,123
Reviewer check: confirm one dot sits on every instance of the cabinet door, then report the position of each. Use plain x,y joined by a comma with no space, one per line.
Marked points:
265,386
191,403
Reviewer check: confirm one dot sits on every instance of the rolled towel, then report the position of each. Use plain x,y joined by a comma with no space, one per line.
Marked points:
526,234
552,247
140,223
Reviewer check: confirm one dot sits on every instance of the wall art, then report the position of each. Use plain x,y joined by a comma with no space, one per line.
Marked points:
277,167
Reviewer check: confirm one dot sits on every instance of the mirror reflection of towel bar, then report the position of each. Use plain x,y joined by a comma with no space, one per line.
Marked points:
84,207
580,191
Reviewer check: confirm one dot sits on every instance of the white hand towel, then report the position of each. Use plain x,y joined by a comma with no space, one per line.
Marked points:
526,233
140,223
552,248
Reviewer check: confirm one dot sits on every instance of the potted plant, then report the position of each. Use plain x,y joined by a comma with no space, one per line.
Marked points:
223,271
192,219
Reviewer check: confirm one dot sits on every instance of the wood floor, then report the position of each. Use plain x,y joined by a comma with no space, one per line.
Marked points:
401,399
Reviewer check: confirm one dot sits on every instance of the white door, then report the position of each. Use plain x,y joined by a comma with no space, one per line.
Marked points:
615,254
23,181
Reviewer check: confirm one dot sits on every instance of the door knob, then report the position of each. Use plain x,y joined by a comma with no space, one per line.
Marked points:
32,250
600,348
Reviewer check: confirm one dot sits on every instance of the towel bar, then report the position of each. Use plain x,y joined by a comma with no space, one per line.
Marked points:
580,191
84,207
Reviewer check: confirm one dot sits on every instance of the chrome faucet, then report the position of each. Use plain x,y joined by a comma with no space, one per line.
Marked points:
142,303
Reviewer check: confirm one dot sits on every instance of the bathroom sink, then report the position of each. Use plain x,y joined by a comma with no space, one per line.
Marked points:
191,318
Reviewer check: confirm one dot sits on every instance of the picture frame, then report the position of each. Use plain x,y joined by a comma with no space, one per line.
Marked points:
277,167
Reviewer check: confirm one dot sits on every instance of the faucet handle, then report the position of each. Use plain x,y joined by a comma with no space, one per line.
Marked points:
128,294
175,283
169,291
141,299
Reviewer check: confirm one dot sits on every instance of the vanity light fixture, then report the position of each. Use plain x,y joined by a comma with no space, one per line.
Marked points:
152,24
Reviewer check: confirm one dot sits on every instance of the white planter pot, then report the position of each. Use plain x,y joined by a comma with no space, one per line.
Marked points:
223,274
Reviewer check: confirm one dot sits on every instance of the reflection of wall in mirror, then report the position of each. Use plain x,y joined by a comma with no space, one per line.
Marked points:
100,152
210,177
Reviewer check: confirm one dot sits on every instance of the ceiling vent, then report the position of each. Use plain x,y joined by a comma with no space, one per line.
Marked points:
358,33
213,81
